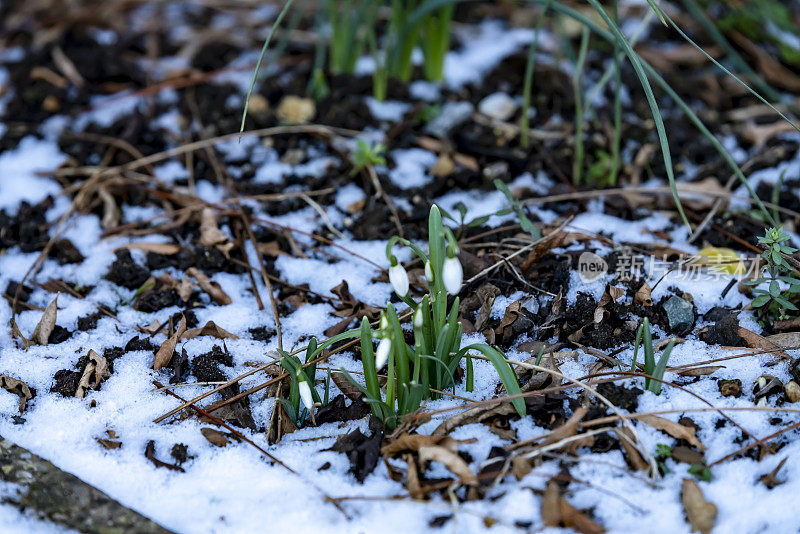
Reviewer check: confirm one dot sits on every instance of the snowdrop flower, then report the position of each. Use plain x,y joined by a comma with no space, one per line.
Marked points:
305,394
428,272
399,279
452,275
382,354
384,322
418,317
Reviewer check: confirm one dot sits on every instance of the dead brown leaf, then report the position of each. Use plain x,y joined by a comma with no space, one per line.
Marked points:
210,234
701,514
346,387
701,371
413,442
675,430
642,295
17,334
164,354
567,430
17,387
214,436
96,371
557,512
46,324
451,460
209,286
632,454
209,329
756,341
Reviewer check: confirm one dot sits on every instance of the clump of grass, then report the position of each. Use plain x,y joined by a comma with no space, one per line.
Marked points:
652,368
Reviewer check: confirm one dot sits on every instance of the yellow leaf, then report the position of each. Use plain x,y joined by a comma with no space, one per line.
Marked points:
721,260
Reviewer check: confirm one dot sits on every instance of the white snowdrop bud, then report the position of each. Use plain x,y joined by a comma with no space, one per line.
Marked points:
382,354
305,394
452,275
384,322
399,280
428,272
418,317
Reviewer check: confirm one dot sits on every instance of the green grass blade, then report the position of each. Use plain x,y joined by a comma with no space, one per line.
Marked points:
275,25
504,371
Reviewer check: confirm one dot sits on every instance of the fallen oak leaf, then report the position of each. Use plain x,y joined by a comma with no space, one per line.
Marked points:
18,387
700,513
164,354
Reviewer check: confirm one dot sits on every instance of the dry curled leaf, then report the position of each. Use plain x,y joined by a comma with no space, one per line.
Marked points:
557,512
209,329
675,430
210,234
96,371
756,341
46,324
568,430
451,460
642,295
17,334
209,286
701,371
346,387
632,454
413,442
214,436
164,354
700,513
18,387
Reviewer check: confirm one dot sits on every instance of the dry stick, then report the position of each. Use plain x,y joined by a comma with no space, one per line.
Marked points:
59,227
590,389
223,176
244,438
756,444
712,212
637,415
376,183
321,358
661,191
531,245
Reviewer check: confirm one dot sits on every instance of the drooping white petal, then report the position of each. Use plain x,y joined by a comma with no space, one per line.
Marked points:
399,279
418,317
305,394
382,354
428,272
452,275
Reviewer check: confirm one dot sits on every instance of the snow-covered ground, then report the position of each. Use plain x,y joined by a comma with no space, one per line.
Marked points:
237,489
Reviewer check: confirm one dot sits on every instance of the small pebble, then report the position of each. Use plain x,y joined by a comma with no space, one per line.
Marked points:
498,106
792,391
296,110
